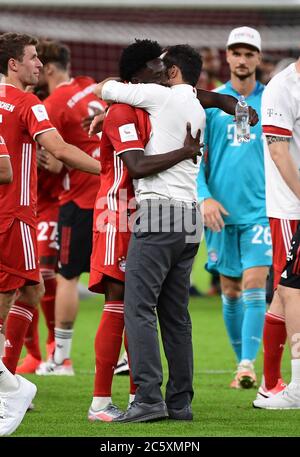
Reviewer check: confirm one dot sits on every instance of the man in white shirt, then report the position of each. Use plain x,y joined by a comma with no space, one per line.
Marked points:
281,125
164,244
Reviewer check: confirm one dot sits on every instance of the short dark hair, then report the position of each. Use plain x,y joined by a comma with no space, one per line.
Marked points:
12,46
135,57
50,51
187,59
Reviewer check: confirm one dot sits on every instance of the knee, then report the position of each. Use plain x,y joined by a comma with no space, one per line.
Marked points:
232,291
6,301
255,278
40,292
252,282
33,296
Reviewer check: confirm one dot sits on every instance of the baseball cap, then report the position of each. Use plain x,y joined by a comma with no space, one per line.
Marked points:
244,35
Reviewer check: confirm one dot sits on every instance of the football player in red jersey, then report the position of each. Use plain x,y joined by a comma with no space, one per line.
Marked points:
49,188
24,120
70,101
6,177
125,132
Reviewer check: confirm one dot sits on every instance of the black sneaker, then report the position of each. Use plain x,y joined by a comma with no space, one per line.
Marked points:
144,412
183,414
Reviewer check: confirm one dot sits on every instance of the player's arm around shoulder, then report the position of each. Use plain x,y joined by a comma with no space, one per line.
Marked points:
68,154
147,96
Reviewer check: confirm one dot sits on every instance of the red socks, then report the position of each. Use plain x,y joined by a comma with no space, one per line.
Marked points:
48,307
18,320
274,339
31,341
108,343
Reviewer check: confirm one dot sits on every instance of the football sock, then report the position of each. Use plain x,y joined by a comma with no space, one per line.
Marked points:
48,306
18,320
233,314
253,323
108,343
100,402
32,340
274,341
63,344
131,398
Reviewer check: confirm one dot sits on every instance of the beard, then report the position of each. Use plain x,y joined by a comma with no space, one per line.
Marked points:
243,76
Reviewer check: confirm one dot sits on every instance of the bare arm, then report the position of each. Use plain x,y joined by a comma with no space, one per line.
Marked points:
6,174
68,154
226,103
48,161
279,150
140,166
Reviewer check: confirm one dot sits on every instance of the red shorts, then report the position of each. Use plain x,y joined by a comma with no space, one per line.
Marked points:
19,264
47,236
108,257
282,231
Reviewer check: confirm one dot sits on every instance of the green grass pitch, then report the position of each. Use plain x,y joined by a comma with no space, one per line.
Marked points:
62,403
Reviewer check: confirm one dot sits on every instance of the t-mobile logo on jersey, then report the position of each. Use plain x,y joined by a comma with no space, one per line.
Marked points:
272,113
232,136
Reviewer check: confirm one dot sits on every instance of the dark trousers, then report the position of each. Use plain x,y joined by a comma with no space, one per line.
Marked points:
159,263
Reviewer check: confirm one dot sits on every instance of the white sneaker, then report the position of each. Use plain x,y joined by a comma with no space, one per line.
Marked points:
13,405
106,414
122,366
288,398
50,368
264,393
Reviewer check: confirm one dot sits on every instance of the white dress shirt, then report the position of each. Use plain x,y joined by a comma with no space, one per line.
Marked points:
170,109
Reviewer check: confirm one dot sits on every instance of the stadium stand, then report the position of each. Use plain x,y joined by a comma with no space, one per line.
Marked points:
97,35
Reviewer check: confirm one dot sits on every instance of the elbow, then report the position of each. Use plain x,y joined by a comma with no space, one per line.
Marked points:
136,172
275,154
59,154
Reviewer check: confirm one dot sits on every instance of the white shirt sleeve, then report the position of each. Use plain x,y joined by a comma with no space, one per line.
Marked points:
278,110
151,97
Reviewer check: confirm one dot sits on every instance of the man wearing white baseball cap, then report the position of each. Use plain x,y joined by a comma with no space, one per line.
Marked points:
237,229
244,35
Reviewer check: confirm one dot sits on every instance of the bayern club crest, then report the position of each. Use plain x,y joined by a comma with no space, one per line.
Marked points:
122,264
213,256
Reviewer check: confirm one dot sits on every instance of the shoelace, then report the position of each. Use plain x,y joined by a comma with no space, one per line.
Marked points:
2,408
112,408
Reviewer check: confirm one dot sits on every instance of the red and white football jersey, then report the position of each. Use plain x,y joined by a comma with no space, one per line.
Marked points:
124,128
3,148
22,117
67,106
281,117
